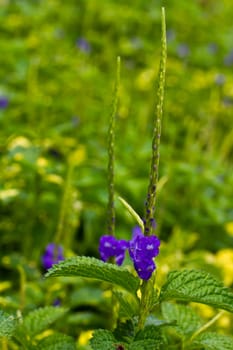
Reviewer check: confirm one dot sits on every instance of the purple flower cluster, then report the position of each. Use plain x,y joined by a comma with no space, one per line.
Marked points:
110,247
3,102
83,45
53,254
142,251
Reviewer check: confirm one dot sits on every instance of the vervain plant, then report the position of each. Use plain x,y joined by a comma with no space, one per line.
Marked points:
149,317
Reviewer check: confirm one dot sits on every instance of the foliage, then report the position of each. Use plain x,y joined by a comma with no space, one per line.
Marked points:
56,74
94,268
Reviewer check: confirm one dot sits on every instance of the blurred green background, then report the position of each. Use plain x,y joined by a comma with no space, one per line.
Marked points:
57,71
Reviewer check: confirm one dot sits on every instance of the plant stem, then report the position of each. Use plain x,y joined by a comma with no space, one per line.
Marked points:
65,204
147,288
207,325
111,155
152,187
22,277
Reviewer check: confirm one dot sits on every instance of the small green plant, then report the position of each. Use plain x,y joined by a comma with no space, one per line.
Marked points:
129,300
148,316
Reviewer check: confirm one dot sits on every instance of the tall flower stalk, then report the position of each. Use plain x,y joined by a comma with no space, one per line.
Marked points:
111,155
152,187
65,203
147,288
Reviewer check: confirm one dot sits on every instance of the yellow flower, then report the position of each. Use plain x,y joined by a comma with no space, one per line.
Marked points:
224,259
19,141
84,337
229,228
78,156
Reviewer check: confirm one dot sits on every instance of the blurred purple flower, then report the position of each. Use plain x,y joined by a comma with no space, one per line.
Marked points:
228,59
171,35
75,120
227,101
83,45
220,79
53,254
57,302
183,50
142,251
3,102
136,42
110,247
212,48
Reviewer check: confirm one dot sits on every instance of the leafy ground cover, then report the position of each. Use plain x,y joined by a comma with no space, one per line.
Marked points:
57,72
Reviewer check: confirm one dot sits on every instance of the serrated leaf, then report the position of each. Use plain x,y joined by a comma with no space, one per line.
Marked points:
86,319
197,286
7,324
187,321
146,344
93,268
149,338
105,340
124,331
214,341
90,296
38,320
151,320
150,332
128,306
56,341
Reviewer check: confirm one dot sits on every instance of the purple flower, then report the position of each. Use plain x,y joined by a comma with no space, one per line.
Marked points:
142,250
171,35
75,120
3,102
228,59
220,79
57,302
110,247
212,48
53,254
183,50
83,45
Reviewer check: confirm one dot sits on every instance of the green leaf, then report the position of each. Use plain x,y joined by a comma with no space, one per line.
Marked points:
197,286
187,321
56,341
148,344
104,340
124,331
132,212
150,337
93,268
86,319
214,341
151,320
128,306
38,320
7,324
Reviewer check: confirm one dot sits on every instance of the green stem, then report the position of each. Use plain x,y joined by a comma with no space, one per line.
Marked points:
111,155
147,288
22,277
65,205
152,187
207,325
